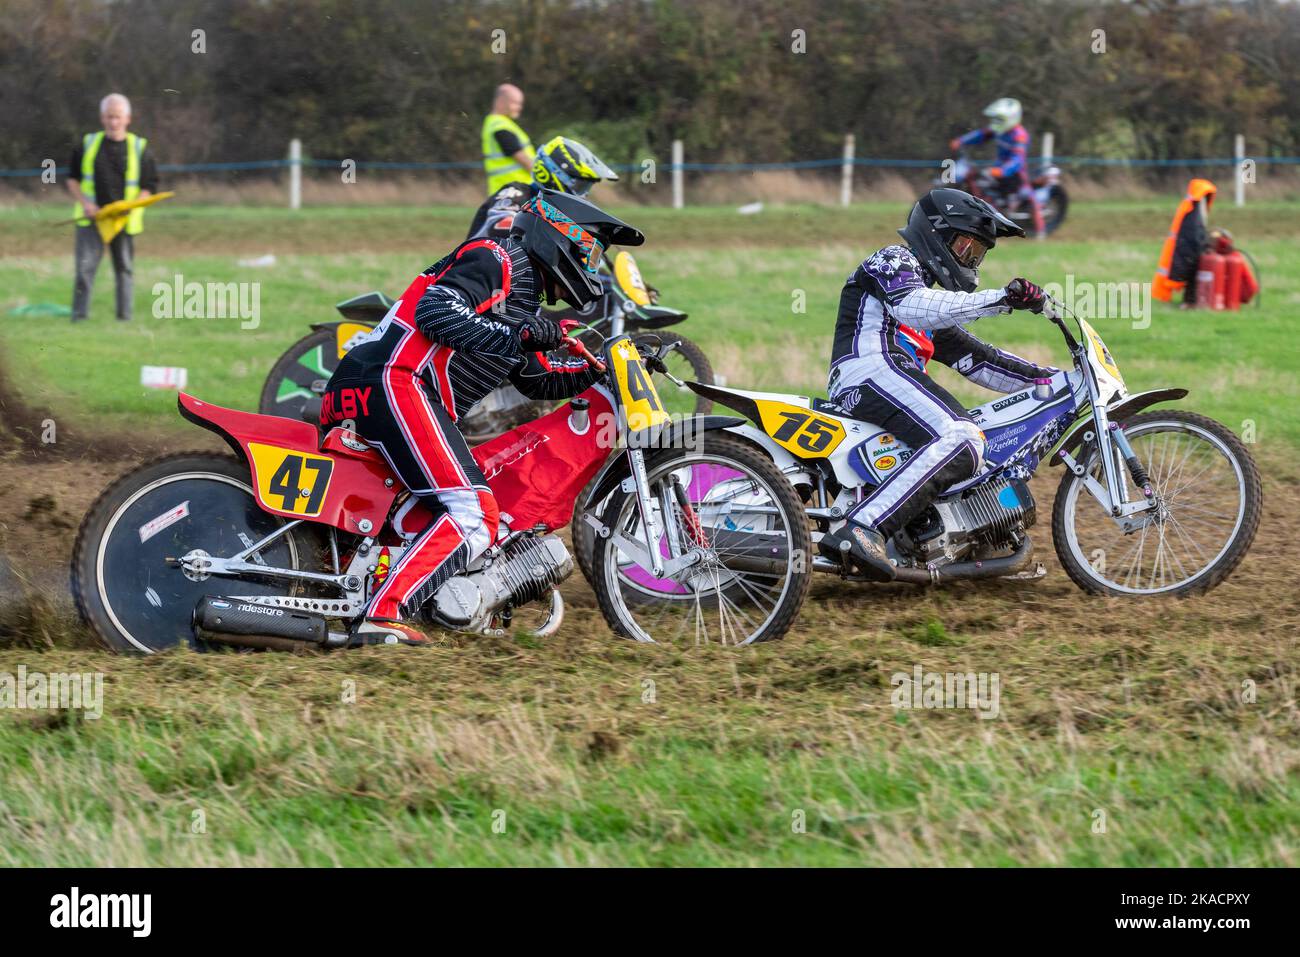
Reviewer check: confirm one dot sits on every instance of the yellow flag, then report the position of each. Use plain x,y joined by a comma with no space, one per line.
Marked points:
111,219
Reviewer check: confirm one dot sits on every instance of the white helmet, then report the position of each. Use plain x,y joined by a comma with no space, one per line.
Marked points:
1003,114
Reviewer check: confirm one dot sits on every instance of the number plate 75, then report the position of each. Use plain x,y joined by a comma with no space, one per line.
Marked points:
805,433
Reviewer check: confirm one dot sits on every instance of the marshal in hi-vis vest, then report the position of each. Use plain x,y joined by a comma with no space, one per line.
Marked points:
499,167
134,149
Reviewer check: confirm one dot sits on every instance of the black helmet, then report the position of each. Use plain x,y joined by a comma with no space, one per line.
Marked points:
950,231
566,236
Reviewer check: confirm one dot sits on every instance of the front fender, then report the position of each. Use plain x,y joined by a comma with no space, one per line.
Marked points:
1118,412
617,468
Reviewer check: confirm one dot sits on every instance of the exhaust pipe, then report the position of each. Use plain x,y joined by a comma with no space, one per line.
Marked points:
234,622
965,571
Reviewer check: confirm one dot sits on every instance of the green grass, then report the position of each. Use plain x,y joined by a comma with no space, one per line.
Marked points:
434,761
1136,712
764,312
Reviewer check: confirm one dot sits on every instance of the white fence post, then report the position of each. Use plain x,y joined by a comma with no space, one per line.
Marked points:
1048,144
846,172
1239,154
295,173
679,197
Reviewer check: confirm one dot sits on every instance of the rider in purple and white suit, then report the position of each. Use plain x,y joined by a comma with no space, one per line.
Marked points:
890,323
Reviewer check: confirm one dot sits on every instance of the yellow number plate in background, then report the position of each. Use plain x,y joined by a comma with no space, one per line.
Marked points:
348,331
801,431
289,480
641,404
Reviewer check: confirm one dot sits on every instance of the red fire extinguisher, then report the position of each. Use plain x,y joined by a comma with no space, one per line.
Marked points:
1225,277
1210,280
1234,265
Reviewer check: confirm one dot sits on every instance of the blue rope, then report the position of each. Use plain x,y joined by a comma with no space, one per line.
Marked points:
686,167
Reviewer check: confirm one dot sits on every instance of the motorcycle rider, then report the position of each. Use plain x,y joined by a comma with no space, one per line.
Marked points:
465,325
1011,172
890,323
563,165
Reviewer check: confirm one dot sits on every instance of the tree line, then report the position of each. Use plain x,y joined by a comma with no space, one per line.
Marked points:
738,80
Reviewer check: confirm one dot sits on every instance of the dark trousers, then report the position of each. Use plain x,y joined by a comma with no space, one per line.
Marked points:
89,251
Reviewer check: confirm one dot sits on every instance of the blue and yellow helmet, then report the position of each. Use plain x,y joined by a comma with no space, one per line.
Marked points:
567,166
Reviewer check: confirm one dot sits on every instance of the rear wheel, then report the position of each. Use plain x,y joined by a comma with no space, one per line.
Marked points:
125,588
726,504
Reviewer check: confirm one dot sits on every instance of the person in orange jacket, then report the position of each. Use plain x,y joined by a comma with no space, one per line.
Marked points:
1188,238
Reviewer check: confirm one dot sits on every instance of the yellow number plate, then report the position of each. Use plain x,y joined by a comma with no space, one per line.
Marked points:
1100,351
629,278
289,480
801,431
642,406
348,331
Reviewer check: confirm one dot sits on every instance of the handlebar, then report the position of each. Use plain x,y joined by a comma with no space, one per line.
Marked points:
1054,311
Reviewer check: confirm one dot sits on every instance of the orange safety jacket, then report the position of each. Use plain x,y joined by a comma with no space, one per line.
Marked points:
1162,287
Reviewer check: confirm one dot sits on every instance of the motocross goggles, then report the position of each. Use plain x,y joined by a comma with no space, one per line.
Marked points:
584,242
968,250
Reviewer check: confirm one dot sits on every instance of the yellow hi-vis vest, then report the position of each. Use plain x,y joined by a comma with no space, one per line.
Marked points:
499,167
134,149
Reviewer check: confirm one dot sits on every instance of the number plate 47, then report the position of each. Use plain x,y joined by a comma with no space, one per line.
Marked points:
805,433
289,480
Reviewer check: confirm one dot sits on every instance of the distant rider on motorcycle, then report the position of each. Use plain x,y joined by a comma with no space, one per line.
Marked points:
1011,172
563,165
890,323
465,325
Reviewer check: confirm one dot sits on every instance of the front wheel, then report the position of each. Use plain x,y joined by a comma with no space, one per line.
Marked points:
125,582
1208,502
1054,209
728,507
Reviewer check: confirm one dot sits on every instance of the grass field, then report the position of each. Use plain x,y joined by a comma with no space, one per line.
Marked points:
1129,734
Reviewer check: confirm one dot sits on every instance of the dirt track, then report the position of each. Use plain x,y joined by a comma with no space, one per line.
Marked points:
47,489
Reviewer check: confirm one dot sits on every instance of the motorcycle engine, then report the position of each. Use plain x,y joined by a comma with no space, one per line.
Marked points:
988,515
522,572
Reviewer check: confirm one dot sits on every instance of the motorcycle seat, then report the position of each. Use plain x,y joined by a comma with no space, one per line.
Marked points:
341,441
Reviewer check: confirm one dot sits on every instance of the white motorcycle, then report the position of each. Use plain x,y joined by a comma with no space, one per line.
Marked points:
1151,503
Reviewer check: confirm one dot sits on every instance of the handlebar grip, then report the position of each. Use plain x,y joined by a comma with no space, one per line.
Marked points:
576,347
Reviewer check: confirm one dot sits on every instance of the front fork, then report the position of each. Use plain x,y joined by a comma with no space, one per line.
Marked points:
1114,448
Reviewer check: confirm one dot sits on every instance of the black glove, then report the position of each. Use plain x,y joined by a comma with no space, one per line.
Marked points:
1023,294
541,334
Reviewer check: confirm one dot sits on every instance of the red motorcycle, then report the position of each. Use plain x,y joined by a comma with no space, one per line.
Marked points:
282,545
1053,201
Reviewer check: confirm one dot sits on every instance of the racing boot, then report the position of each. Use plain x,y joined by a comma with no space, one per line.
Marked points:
860,547
382,631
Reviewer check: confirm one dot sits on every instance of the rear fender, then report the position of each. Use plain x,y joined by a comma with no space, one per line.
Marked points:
353,493
1128,406
654,317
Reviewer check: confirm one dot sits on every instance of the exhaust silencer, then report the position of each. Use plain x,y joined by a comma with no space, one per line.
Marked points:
229,620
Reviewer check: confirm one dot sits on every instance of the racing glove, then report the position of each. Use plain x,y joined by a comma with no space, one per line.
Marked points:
1023,294
541,334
